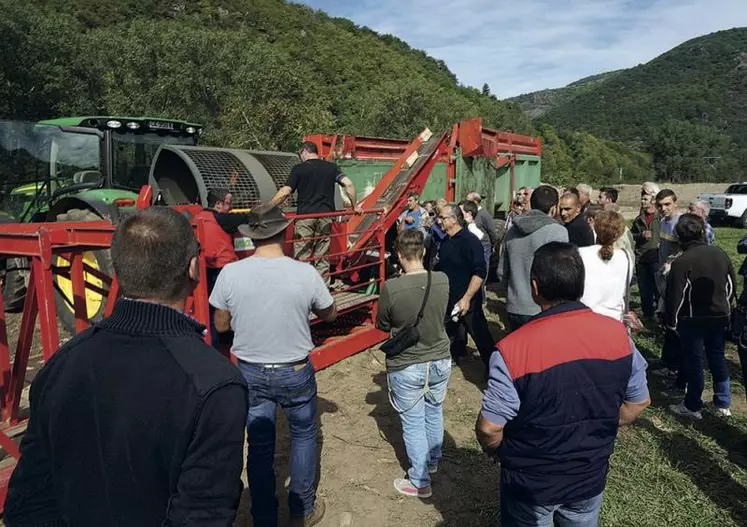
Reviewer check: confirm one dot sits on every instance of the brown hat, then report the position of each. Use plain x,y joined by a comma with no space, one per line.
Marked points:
264,222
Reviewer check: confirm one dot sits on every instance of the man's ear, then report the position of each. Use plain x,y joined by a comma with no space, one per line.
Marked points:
535,290
553,211
194,270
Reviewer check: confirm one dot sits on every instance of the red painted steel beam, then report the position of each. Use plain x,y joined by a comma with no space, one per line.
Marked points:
339,348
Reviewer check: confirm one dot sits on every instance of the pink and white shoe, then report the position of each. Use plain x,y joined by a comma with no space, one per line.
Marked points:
405,487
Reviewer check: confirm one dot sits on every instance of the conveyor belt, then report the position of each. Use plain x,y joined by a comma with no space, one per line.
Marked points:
349,300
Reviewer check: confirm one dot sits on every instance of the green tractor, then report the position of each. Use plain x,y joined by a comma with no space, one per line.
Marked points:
76,169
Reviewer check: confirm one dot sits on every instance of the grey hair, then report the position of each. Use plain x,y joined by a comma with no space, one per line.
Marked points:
702,205
650,188
584,189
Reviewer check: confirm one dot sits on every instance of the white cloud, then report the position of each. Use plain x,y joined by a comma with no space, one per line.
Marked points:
518,47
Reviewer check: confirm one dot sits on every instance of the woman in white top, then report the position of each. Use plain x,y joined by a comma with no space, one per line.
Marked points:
608,268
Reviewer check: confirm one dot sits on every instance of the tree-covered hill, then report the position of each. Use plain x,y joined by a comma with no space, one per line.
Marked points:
256,73
687,107
538,103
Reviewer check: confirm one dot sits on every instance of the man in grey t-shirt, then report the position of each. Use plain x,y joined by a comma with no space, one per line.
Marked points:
267,299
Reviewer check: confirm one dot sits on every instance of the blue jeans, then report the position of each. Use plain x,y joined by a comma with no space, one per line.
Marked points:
417,393
293,388
584,513
694,341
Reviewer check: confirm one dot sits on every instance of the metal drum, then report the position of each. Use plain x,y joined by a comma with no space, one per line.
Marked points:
184,174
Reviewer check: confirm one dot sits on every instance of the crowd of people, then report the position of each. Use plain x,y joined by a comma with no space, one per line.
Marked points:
137,421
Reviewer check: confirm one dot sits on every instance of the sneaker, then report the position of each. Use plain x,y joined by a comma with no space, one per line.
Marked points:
681,409
432,469
723,412
311,519
665,372
403,486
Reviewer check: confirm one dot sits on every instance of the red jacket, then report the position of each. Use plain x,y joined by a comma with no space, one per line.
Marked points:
218,244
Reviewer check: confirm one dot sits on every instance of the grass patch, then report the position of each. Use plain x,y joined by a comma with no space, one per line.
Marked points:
669,471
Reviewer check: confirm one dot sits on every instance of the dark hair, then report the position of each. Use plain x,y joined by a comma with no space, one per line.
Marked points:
559,272
413,195
308,146
611,192
666,193
690,228
469,206
544,198
215,195
609,226
151,252
573,191
410,244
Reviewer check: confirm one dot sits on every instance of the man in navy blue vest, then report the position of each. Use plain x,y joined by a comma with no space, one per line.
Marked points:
551,409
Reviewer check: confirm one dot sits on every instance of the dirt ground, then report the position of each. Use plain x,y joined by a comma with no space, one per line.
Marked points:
362,449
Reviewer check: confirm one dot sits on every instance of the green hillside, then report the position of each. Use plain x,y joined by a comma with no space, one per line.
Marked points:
687,107
256,73
538,103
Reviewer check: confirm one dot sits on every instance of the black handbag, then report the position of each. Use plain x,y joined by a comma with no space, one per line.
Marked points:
408,336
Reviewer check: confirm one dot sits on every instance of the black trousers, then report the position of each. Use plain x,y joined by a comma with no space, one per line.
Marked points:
646,274
475,324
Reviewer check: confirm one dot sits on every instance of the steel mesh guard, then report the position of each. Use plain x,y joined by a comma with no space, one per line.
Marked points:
223,169
279,167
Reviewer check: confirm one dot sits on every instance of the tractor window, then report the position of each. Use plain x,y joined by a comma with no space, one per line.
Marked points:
133,154
36,160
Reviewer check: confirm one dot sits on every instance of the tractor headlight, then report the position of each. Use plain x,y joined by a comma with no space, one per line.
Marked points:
191,129
114,124
132,125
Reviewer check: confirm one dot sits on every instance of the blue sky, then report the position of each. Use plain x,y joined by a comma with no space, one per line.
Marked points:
528,45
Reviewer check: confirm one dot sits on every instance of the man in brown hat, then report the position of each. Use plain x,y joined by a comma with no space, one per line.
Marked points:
267,299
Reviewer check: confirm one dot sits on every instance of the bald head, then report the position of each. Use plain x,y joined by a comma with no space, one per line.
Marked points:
570,207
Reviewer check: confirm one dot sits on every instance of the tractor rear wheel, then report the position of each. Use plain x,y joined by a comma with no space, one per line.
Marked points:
15,282
99,260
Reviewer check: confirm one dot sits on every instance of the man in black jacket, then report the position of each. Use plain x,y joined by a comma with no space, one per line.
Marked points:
136,421
461,258
700,288
579,232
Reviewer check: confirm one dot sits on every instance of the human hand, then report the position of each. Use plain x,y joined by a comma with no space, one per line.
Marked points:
647,235
358,209
409,220
463,305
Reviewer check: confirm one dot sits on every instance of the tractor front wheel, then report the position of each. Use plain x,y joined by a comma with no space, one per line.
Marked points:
99,260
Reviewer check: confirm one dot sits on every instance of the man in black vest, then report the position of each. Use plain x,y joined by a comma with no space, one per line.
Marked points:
552,418
136,421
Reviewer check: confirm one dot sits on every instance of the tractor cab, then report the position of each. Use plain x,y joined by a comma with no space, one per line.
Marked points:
106,157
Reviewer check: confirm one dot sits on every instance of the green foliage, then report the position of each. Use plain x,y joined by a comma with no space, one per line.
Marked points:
257,73
703,82
683,152
573,157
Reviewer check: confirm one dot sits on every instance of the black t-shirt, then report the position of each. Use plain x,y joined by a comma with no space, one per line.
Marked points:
315,181
579,232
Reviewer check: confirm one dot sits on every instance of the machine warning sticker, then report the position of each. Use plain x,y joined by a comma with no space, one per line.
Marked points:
242,244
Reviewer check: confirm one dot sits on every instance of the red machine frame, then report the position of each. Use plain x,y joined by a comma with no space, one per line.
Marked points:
469,135
353,332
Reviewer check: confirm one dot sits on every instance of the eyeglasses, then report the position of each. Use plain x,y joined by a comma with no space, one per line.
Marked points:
442,218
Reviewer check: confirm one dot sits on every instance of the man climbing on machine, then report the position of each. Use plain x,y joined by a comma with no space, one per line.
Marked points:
314,180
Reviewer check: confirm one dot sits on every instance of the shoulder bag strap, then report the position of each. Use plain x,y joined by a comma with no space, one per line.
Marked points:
425,299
